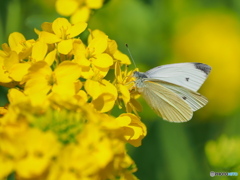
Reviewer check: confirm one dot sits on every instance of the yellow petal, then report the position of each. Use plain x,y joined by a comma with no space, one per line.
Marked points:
103,60
123,58
64,89
118,72
39,50
135,131
81,96
104,102
95,34
100,72
37,31
112,47
94,4
79,54
38,86
108,87
18,71
123,121
83,62
65,46
5,49
66,8
4,75
78,85
48,38
125,94
98,45
16,40
81,15
38,79
60,26
15,96
76,29
25,167
104,153
27,49
51,57
104,94
47,147
37,69
46,26
67,71
10,60
93,88
86,72
6,165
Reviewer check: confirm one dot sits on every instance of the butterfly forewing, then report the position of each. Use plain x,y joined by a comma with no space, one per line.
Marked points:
166,103
188,75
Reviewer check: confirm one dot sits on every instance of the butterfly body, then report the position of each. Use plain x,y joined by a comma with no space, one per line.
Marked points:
140,78
171,90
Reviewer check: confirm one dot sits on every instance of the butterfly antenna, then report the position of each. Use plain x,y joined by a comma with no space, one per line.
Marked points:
131,55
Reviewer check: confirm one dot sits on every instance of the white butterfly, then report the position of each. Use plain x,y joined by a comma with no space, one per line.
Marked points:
171,90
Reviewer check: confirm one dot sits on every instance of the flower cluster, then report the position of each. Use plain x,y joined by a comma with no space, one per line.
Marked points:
78,10
57,124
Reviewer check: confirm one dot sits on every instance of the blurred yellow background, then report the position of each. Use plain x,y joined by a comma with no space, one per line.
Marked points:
160,32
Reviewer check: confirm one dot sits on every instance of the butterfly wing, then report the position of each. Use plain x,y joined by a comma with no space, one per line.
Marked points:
166,103
193,99
188,75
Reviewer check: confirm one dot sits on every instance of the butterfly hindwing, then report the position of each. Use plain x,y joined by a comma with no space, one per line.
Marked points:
194,99
166,103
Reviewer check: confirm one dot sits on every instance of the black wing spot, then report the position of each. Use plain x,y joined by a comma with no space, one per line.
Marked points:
203,67
184,97
187,79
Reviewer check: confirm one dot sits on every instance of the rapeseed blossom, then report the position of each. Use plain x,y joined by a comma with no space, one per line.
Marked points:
58,123
78,10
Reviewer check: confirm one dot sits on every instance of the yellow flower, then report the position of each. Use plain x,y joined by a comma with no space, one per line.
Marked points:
39,53
12,64
107,159
99,61
124,83
79,52
41,79
58,124
62,32
6,165
39,150
133,129
112,47
79,10
99,56
18,44
103,94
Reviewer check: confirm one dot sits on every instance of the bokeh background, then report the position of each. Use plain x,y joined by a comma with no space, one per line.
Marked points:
161,32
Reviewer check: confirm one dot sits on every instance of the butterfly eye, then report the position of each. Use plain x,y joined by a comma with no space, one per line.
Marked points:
135,74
